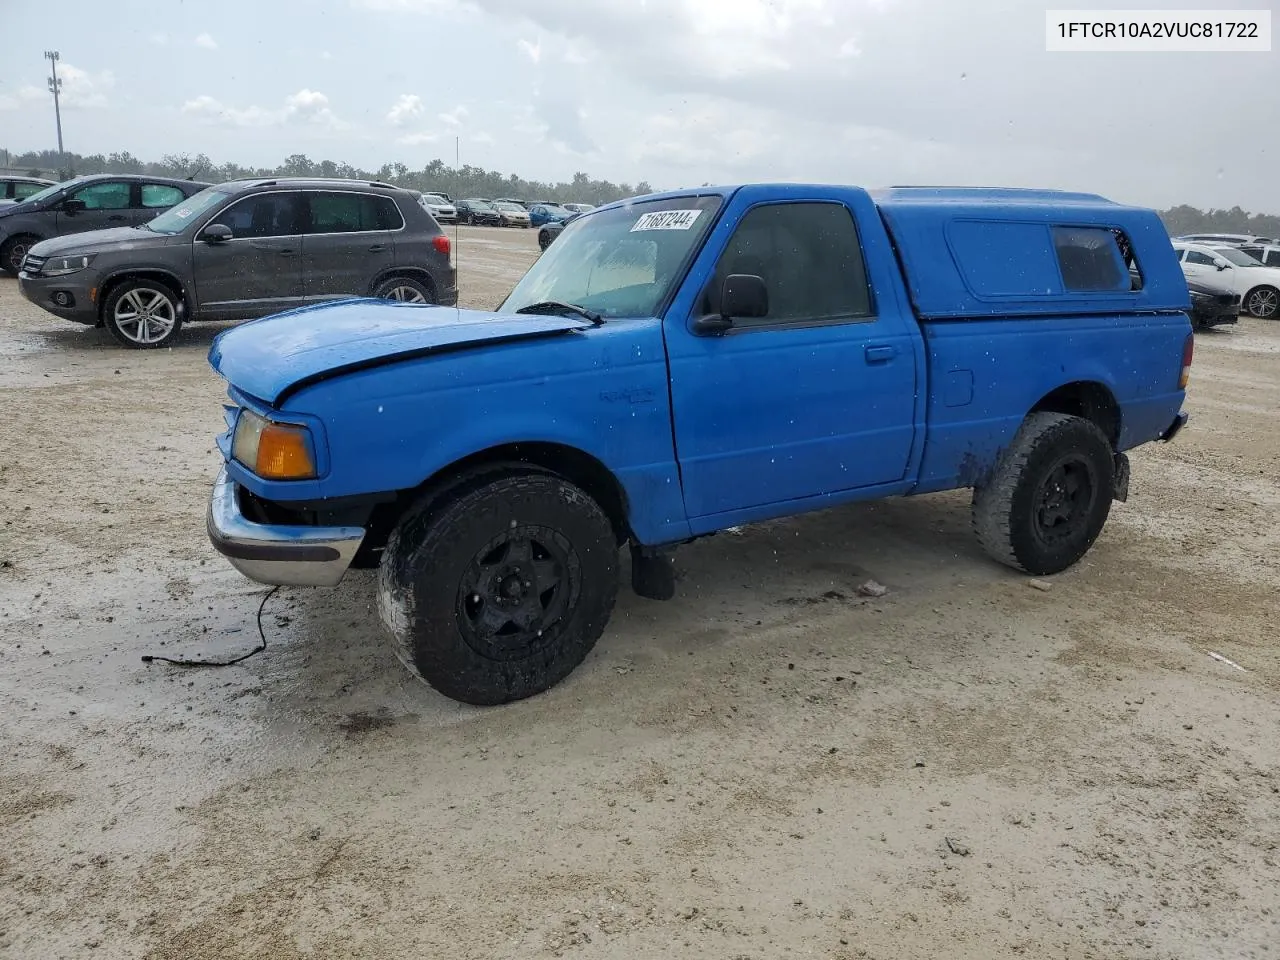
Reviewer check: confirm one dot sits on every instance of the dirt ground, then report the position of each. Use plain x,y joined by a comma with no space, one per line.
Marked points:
766,766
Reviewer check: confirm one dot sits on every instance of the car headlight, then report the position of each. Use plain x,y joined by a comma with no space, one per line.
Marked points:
61,266
274,451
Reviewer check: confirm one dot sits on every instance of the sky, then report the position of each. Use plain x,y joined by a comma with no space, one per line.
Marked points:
673,92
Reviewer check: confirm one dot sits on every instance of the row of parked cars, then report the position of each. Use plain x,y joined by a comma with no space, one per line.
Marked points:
1230,273
547,215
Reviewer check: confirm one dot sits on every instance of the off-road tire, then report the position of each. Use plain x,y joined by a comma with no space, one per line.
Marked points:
9,252
1007,509
421,598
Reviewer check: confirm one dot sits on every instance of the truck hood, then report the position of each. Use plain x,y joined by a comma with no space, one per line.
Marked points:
96,241
280,354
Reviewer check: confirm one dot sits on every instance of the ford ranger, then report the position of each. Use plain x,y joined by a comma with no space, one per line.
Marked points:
681,363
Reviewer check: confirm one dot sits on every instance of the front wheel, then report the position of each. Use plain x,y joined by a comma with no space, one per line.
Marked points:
13,251
1049,497
500,591
404,289
1262,302
142,314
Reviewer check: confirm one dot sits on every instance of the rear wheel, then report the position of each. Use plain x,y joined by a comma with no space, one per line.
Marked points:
142,314
544,239
13,251
499,591
404,289
1262,302
1049,497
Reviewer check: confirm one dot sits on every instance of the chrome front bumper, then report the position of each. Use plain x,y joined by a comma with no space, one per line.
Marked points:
296,556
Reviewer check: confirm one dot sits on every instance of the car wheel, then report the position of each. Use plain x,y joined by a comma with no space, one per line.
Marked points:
500,591
544,239
1049,496
1262,302
404,289
142,314
14,251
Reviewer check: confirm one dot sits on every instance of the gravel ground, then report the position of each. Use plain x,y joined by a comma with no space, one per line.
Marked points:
767,765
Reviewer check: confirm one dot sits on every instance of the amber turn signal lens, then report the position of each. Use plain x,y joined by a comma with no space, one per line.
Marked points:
284,453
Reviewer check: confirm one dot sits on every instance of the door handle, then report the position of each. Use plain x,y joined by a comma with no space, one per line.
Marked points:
286,252
377,247
881,353
116,216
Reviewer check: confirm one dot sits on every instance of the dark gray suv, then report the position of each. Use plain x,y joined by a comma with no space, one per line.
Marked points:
92,202
245,249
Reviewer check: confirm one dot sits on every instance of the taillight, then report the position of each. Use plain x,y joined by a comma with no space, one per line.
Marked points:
1188,349
441,242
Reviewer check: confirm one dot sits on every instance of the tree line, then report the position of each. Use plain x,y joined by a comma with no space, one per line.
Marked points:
469,181
458,182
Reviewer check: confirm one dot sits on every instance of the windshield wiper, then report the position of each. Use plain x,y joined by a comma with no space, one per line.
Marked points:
556,306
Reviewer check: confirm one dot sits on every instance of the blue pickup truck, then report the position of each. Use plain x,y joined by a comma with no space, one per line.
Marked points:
682,363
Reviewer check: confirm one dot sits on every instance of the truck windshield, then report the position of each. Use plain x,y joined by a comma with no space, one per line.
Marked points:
621,262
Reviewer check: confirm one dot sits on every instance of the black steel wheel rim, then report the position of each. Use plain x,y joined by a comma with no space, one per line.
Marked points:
517,591
1064,501
18,253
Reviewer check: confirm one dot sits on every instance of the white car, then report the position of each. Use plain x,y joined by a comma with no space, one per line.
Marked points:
1230,267
1267,253
438,207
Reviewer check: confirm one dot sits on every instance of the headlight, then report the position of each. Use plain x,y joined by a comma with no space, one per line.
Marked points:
274,451
61,266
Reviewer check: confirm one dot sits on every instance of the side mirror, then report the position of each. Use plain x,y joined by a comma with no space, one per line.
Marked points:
73,206
1224,266
215,233
742,295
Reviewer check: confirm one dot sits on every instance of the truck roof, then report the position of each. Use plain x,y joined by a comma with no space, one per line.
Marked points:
969,252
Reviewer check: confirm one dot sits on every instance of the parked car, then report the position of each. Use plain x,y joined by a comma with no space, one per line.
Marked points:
438,207
511,214
577,207
437,193
1222,239
548,232
541,213
14,189
244,249
477,211
683,363
86,203
1268,254
1258,285
514,200
1212,305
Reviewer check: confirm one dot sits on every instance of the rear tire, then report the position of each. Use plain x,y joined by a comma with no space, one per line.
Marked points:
405,290
1049,496
500,590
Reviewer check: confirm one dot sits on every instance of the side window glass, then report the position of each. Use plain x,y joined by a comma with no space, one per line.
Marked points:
266,215
23,190
104,196
160,195
808,255
1195,256
383,213
1273,258
1090,259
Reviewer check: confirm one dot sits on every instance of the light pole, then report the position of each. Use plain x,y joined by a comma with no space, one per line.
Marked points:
55,85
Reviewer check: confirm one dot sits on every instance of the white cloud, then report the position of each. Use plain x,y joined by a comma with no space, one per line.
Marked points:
159,39
326,55
306,107
408,106
531,50
850,48
206,41
81,90
25,96
417,139
454,117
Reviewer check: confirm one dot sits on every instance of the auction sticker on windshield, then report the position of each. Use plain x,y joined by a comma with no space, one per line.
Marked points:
667,220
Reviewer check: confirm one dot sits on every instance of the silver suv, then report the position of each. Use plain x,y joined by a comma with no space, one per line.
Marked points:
245,249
